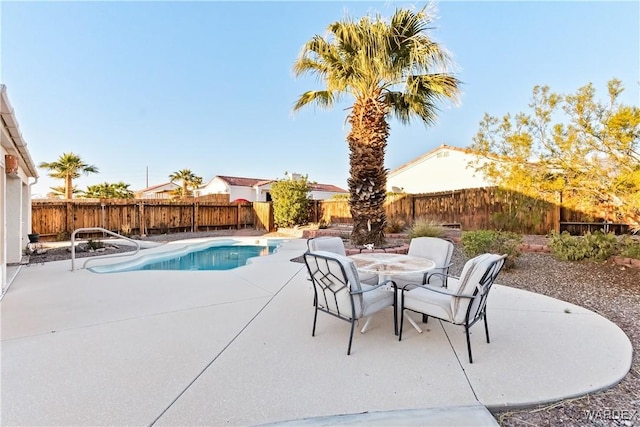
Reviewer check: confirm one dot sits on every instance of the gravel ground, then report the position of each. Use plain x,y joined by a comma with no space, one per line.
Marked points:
611,290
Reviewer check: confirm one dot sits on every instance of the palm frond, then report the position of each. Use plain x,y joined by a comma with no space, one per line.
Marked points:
322,98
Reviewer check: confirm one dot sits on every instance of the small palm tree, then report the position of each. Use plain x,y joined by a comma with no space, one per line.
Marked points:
69,166
391,69
189,180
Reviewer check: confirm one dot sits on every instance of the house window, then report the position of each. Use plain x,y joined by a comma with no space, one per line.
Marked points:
442,154
268,196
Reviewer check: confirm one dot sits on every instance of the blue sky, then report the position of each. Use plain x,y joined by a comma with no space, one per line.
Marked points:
208,86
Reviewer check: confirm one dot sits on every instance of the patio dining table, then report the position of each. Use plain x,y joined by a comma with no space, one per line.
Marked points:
386,265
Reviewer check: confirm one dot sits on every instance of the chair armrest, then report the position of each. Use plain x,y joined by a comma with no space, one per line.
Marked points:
443,275
443,292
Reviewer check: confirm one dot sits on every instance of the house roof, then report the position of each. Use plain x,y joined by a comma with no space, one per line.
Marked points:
428,154
155,187
256,182
242,182
327,187
16,144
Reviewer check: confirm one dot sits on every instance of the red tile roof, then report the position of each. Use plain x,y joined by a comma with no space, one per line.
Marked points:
242,182
327,187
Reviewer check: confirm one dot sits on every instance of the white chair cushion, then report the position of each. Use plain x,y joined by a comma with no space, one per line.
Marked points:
352,279
429,302
469,280
336,245
376,300
328,244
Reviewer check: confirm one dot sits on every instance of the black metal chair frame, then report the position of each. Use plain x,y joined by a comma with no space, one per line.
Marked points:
322,292
486,282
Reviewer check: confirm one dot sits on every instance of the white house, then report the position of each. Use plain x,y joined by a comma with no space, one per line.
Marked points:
257,190
444,168
160,191
15,191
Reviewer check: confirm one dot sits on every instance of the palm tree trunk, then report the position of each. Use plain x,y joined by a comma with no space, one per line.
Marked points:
68,187
368,176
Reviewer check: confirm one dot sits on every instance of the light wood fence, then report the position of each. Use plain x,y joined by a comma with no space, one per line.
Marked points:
470,209
57,219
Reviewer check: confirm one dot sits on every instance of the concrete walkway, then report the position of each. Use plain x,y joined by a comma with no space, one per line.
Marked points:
235,348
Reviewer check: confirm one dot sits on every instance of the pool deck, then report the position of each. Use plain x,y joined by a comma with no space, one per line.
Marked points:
235,348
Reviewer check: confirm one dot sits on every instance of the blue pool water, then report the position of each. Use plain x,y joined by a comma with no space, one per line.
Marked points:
223,254
215,258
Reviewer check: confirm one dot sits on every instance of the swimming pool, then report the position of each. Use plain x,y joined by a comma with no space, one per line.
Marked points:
223,254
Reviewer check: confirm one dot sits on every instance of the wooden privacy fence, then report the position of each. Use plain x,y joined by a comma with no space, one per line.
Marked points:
471,209
56,219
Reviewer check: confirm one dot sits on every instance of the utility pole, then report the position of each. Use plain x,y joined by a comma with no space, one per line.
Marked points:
147,177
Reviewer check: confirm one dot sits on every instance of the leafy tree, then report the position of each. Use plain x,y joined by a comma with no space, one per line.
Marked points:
290,201
69,166
118,190
583,149
190,181
392,69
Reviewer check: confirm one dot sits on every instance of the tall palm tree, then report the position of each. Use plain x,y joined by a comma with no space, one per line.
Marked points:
188,178
391,69
69,166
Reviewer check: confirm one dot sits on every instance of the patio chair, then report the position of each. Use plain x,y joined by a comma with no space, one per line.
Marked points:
338,291
336,245
437,250
463,303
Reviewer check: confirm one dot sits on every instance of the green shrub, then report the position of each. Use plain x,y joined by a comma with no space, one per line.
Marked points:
424,228
479,242
629,247
394,226
94,244
596,246
290,201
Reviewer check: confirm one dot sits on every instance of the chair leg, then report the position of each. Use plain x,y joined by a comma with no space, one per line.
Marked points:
486,327
353,325
395,315
315,317
466,329
401,316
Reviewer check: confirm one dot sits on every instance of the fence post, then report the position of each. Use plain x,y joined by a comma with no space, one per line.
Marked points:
142,222
195,222
69,218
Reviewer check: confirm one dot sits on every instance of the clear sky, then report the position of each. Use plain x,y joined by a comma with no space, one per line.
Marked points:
208,86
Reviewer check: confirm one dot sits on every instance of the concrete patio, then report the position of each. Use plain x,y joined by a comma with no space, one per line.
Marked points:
235,347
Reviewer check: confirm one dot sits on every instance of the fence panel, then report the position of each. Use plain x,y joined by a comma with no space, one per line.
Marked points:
263,215
472,209
49,217
57,219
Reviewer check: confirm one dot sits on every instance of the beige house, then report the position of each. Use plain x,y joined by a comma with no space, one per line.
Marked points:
160,191
445,168
15,191
257,189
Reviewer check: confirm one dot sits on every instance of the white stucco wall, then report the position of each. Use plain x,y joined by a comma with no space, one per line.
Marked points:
443,170
248,193
215,186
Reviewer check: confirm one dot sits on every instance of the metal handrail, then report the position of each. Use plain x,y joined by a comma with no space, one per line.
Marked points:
82,230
